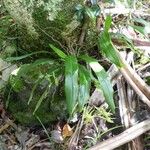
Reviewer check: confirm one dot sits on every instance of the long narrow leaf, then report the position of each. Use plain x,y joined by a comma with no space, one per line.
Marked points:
24,56
33,90
58,51
71,82
43,96
108,49
108,23
84,86
106,46
142,30
103,79
28,67
43,61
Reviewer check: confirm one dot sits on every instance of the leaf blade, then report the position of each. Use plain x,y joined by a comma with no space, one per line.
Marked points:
24,56
59,52
84,87
108,49
103,79
71,82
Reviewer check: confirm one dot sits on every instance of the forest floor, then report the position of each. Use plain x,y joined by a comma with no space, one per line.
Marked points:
94,128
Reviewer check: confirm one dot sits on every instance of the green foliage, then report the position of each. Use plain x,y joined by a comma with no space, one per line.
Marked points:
143,29
16,83
36,90
83,12
103,80
58,52
25,56
84,86
43,96
106,46
47,22
71,82
77,79
77,90
90,113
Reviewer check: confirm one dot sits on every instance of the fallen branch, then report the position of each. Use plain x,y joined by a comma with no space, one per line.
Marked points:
136,42
125,137
125,11
135,87
135,78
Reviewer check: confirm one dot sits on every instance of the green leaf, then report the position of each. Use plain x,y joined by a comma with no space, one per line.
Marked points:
103,79
71,82
43,61
43,96
16,83
24,56
25,68
79,12
108,23
84,86
142,21
33,90
92,11
108,49
106,46
144,29
22,70
58,51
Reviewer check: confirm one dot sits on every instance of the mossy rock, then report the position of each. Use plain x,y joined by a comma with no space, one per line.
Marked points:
51,109
42,22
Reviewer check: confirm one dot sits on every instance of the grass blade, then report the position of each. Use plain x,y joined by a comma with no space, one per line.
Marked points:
33,90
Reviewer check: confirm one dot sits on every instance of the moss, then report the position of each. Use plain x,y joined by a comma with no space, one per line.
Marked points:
51,108
41,22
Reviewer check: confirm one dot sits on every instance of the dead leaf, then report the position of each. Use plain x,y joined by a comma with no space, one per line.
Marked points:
4,127
67,131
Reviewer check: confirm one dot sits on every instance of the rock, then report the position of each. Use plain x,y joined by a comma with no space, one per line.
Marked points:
41,22
50,109
56,136
5,70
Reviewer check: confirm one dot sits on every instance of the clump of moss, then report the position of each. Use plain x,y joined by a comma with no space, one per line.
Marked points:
32,91
21,15
51,109
41,22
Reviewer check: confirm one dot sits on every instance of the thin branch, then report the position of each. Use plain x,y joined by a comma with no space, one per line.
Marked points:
136,79
125,137
125,11
135,87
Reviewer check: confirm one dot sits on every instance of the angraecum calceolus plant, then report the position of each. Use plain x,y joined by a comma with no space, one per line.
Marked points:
55,36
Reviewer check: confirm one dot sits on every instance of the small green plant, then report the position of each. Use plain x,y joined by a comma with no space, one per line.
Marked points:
75,72
78,79
89,115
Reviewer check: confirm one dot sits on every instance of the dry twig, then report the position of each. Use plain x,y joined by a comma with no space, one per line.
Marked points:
125,137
